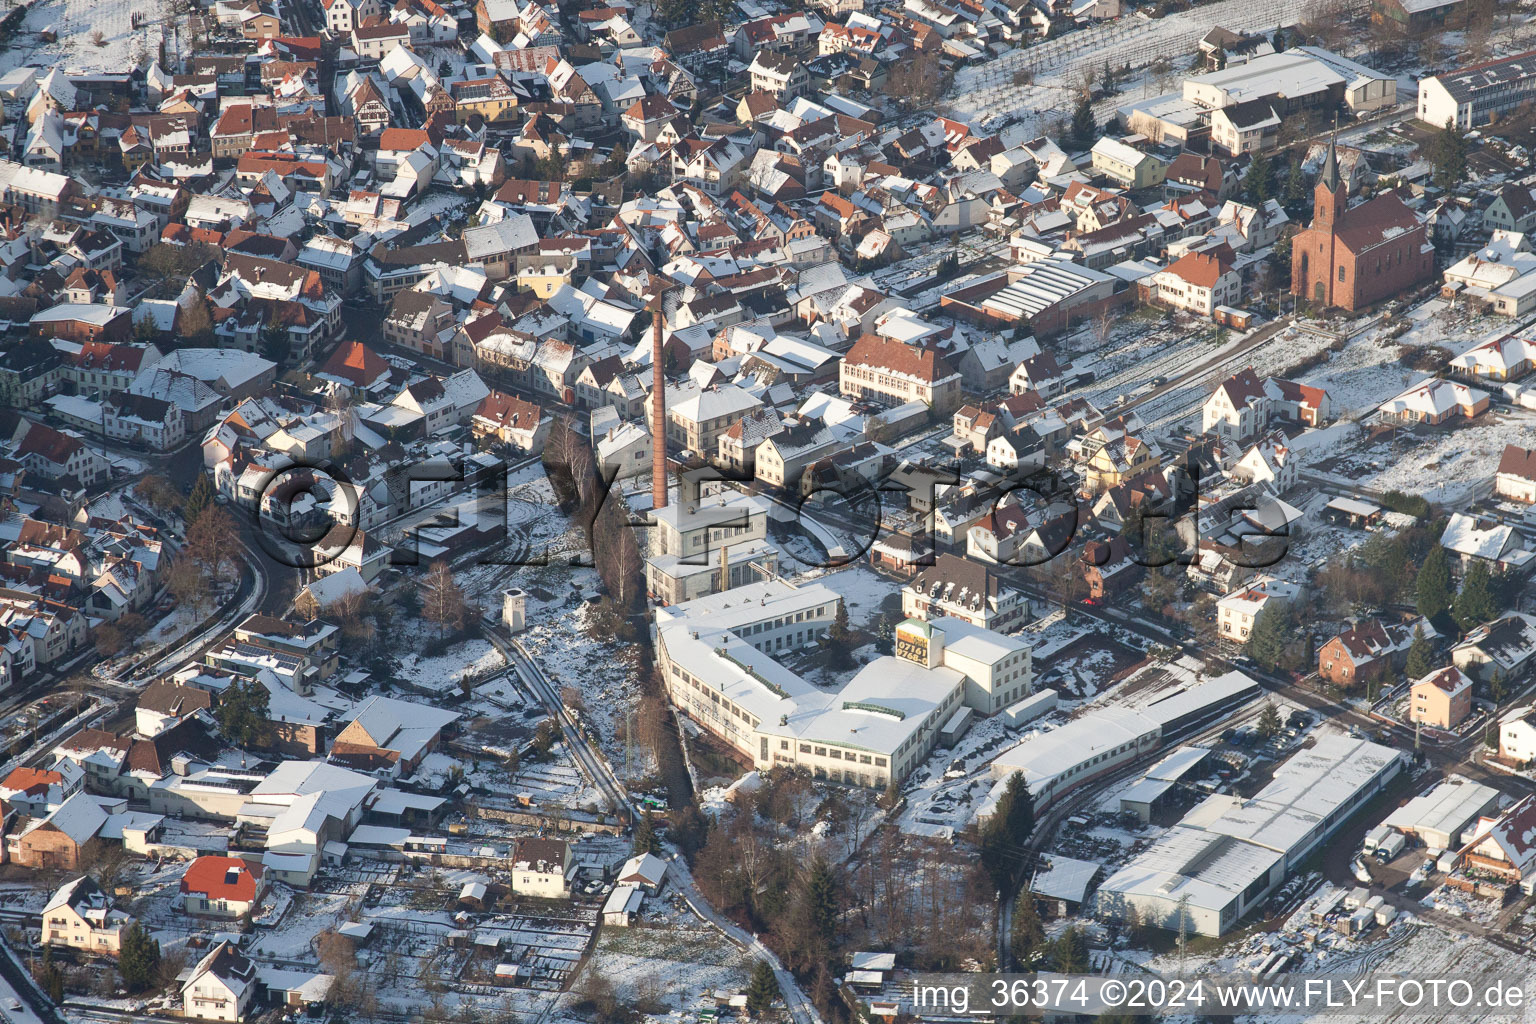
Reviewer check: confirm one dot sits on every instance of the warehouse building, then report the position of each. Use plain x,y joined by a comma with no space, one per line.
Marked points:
1227,854
1439,817
1056,762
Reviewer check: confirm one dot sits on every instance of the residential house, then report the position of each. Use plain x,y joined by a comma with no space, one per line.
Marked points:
223,887
222,986
1442,699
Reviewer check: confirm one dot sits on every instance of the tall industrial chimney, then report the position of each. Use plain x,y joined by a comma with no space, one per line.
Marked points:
658,413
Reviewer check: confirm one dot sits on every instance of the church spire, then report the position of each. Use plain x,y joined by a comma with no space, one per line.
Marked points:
1330,176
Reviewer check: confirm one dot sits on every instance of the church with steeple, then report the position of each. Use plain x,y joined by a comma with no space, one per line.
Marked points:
1353,257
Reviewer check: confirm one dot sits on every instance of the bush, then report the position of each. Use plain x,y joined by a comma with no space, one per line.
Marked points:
1409,504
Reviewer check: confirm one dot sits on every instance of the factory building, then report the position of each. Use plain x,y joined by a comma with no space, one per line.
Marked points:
1227,854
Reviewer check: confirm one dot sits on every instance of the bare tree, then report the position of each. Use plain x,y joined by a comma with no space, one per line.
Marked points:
442,600
213,542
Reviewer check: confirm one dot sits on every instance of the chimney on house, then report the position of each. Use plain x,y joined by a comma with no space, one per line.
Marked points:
658,413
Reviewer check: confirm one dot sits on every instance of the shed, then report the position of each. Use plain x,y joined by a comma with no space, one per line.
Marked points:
1030,708
645,870
958,725
473,895
1144,797
1352,512
622,904
866,961
1065,882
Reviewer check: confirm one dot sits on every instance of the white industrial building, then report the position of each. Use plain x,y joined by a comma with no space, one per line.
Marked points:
1228,854
1439,816
717,655
1055,762
1473,96
1304,76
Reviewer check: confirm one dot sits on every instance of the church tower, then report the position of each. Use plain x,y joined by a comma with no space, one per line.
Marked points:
1329,195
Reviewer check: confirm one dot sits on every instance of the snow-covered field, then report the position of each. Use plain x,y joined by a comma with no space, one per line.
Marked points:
443,673
984,94
75,21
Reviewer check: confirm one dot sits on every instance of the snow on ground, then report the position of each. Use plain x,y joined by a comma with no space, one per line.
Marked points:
985,94
74,21
670,957
442,673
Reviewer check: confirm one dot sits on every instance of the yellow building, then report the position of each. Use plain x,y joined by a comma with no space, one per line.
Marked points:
82,917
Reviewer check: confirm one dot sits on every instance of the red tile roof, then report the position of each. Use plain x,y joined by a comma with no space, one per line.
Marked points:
222,878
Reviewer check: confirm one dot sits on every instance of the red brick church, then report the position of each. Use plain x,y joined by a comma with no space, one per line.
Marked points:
1353,258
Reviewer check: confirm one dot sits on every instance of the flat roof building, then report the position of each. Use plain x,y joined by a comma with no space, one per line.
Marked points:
1228,854
718,656
1476,94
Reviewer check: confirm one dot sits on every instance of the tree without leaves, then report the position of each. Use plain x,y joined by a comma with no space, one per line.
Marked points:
442,601
194,325
158,493
186,583
213,542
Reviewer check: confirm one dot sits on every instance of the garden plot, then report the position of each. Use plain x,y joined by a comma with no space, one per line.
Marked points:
986,94
444,674
76,22
601,672
668,958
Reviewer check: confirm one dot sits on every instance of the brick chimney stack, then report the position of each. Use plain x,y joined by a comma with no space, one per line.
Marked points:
658,413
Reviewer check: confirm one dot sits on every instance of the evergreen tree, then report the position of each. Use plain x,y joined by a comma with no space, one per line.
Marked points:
1432,590
1498,686
1266,643
1259,182
1417,665
1071,952
1269,720
1448,154
1107,77
1027,935
762,990
821,900
839,642
242,712
1084,127
1006,834
1295,188
1280,258
201,497
139,958
645,835
1475,604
